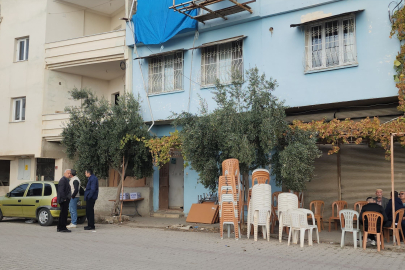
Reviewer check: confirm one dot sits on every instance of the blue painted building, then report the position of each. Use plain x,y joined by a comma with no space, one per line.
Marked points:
331,58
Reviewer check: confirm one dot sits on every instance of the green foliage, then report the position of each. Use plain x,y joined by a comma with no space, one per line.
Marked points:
93,136
294,157
248,123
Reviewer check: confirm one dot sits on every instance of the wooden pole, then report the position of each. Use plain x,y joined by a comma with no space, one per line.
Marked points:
392,186
122,186
339,175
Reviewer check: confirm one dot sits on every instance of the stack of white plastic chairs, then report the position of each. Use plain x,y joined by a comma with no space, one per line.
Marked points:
286,201
259,210
229,197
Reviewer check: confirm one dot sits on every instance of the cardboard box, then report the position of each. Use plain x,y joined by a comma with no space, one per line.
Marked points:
135,195
126,196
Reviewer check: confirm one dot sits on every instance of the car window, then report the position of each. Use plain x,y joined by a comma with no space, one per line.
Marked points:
48,190
35,190
19,191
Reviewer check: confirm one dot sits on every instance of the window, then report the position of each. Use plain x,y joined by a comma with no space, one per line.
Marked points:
331,44
19,191
48,190
45,169
18,109
35,190
115,98
221,61
166,73
22,48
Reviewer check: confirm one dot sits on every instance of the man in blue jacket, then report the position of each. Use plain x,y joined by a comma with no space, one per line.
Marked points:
90,196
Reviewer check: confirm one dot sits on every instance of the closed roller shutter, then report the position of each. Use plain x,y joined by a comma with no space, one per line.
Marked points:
324,184
365,169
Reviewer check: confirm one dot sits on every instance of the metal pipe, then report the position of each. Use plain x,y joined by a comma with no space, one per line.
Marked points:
392,187
130,11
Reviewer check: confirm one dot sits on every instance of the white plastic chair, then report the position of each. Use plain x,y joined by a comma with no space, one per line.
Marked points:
286,201
313,226
299,222
259,211
348,216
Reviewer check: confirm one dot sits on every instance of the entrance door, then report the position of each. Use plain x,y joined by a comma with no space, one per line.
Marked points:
176,183
164,187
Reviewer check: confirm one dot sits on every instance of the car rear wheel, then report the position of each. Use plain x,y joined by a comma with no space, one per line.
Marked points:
81,220
44,217
1,215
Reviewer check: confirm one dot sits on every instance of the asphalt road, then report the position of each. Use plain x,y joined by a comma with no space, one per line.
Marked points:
30,246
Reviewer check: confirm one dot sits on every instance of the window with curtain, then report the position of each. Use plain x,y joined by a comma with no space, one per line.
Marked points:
221,61
331,44
166,73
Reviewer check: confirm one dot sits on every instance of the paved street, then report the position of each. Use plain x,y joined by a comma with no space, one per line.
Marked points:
30,246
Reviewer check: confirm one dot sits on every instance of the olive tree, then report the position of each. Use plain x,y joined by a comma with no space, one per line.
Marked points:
95,136
248,124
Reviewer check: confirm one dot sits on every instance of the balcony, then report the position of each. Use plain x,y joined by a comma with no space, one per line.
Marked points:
52,126
94,49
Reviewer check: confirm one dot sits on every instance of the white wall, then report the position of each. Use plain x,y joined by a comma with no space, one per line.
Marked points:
17,79
94,23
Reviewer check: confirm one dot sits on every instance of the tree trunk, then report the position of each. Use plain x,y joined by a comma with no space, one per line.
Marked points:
245,178
116,209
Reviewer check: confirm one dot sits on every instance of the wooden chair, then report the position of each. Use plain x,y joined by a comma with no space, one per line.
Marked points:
396,228
339,205
359,205
317,207
274,207
372,218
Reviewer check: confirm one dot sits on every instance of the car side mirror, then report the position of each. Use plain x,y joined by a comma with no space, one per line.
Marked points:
8,195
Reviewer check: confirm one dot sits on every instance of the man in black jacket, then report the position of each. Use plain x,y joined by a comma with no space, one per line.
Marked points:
63,198
372,206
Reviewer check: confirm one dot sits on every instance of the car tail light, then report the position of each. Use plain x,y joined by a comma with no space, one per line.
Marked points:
54,202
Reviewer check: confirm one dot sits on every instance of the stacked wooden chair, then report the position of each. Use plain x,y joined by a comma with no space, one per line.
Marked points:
230,197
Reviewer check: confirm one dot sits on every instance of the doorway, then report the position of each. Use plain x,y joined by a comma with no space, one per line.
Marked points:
4,172
176,183
45,169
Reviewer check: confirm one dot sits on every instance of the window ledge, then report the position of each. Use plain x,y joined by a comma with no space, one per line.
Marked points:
208,86
329,69
165,93
14,122
18,61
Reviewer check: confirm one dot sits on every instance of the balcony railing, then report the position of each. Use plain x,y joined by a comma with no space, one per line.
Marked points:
104,47
52,126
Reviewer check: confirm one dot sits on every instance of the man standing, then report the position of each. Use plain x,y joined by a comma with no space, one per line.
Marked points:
90,196
75,187
373,207
63,199
380,199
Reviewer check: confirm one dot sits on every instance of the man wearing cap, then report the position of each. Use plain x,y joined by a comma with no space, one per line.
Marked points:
75,187
380,200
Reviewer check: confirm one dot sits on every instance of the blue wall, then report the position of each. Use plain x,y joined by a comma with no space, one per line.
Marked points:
280,55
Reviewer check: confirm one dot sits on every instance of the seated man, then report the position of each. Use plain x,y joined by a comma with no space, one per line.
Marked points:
388,210
402,197
372,206
380,200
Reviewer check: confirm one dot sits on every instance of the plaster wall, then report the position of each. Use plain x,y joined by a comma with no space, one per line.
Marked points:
23,18
103,206
280,55
4,191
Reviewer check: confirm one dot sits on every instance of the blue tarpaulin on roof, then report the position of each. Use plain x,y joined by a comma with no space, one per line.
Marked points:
155,23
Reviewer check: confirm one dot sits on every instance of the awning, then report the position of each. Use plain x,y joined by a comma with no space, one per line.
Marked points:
222,41
327,18
160,54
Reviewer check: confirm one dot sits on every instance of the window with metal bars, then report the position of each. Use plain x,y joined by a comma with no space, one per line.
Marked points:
221,62
330,44
166,73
